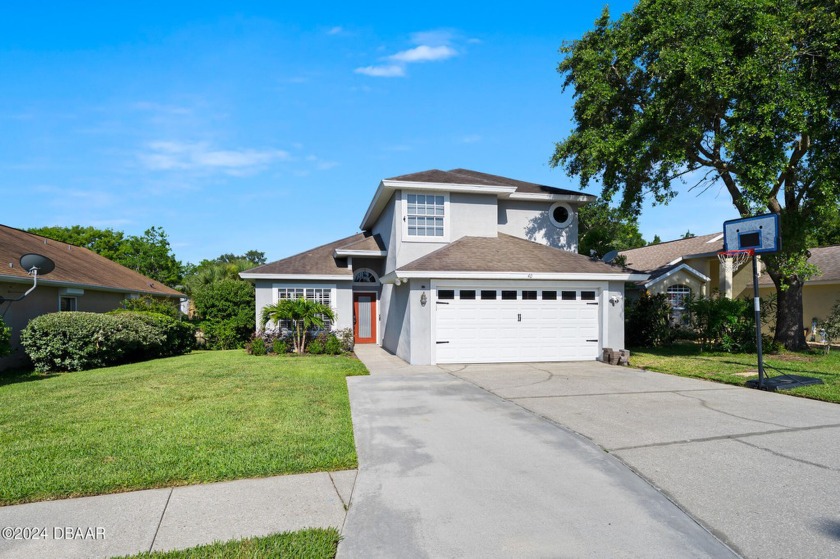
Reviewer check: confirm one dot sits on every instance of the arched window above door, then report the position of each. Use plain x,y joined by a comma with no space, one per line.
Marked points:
365,276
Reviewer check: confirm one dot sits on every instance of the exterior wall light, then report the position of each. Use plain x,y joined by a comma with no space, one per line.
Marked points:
423,299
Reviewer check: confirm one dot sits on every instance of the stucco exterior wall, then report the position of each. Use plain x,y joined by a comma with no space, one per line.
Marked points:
386,227
530,220
698,287
614,321
342,301
421,325
817,301
396,333
44,300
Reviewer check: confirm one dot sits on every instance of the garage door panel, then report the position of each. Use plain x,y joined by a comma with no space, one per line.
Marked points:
504,330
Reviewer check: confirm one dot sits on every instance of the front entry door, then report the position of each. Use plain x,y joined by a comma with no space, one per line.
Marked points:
364,318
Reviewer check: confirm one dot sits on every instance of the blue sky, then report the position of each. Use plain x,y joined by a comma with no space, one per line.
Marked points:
267,125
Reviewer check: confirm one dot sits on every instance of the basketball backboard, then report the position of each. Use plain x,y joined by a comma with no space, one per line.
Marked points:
759,233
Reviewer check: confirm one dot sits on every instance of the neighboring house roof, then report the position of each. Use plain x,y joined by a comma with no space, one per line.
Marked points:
660,258
827,259
319,261
74,266
466,176
668,271
506,254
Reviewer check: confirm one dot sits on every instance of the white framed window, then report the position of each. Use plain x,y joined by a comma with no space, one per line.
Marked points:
426,216
321,295
365,276
560,214
67,304
677,296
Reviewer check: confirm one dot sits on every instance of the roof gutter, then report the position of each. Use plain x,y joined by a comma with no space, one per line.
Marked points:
397,277
92,287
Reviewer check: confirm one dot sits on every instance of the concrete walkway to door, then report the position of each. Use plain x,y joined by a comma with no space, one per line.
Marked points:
448,469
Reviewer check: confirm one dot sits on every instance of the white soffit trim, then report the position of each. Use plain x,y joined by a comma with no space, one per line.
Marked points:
397,276
361,253
532,197
336,277
685,267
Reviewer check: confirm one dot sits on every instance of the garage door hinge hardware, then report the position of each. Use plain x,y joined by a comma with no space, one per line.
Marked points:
441,303
591,340
519,318
441,342
591,303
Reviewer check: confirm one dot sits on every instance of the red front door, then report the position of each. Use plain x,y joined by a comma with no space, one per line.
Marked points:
364,318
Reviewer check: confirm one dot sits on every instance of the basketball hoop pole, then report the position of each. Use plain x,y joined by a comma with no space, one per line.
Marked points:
757,304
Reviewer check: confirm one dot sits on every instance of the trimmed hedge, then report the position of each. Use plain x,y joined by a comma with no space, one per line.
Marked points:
76,341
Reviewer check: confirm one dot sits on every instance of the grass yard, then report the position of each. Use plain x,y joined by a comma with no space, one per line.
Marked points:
686,360
202,417
314,543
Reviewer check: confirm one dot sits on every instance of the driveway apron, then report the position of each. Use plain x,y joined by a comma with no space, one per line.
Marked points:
761,470
447,469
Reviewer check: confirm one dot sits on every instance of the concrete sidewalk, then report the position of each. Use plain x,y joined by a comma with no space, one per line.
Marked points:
447,469
759,469
176,518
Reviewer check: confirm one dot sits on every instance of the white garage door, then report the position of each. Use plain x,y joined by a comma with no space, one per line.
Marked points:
505,324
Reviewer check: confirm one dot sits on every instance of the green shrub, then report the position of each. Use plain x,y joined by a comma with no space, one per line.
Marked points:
723,324
316,347
147,303
75,341
831,326
347,339
257,347
279,346
178,335
222,334
226,311
333,345
5,338
648,321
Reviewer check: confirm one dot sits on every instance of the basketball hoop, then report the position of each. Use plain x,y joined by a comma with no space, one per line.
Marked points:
738,257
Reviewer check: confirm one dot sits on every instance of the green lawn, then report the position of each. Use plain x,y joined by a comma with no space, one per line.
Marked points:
314,543
687,360
196,418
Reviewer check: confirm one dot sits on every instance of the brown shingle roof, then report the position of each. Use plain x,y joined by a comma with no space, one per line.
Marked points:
73,265
466,176
827,259
371,242
506,253
655,257
318,261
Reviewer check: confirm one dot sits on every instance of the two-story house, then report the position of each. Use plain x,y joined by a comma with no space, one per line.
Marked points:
462,267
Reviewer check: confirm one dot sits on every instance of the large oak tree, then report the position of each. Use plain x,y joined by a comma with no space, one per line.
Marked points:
742,95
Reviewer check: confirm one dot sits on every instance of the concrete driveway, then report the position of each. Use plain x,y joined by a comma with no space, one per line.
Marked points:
449,469
761,470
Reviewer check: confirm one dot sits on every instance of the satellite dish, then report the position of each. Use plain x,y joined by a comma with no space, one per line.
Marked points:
610,256
37,261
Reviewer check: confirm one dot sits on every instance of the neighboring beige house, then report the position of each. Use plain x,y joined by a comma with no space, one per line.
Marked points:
82,281
462,267
691,267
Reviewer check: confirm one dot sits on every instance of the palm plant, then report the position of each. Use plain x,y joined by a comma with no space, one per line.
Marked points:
304,314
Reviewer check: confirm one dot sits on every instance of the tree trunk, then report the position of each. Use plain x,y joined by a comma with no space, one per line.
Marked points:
790,331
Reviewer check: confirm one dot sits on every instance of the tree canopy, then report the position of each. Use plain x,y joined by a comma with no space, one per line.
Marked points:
602,229
149,254
742,95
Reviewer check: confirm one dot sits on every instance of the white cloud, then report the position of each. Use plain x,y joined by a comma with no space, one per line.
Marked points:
387,71
167,156
432,46
470,139
424,53
335,30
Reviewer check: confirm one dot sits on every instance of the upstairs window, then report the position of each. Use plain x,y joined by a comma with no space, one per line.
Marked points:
425,215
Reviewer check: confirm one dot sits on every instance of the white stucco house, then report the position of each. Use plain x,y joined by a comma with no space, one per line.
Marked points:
462,267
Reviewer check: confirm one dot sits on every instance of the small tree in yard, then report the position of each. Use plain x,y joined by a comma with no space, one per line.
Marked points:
304,315
831,325
5,338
